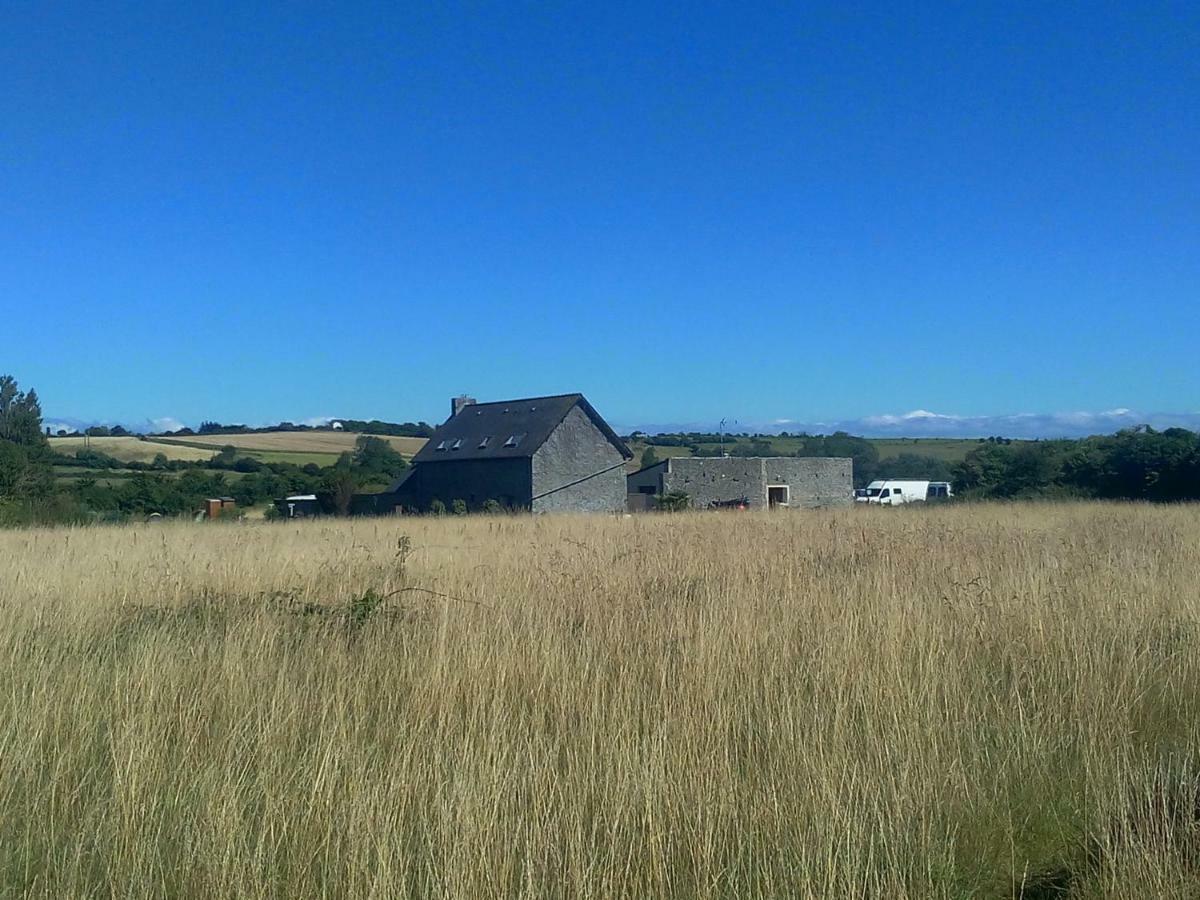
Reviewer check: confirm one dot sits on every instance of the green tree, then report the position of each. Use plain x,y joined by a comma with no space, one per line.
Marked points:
649,457
375,456
14,465
862,452
914,465
25,472
340,485
20,415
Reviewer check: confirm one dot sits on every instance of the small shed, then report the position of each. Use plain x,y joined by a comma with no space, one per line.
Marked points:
299,506
215,507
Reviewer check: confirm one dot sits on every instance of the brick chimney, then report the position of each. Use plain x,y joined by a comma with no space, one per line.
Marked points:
459,403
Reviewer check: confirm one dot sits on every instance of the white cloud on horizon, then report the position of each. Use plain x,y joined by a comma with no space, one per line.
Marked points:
165,423
924,423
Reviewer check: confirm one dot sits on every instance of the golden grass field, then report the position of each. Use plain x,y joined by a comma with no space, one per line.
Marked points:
129,449
987,701
296,441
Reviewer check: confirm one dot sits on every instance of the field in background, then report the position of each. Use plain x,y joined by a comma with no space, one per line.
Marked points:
951,450
128,449
319,442
320,447
959,701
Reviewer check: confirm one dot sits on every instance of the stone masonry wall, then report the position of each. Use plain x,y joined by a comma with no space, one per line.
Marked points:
577,469
715,478
812,481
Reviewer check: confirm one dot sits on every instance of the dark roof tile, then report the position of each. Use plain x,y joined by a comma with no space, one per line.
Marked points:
512,429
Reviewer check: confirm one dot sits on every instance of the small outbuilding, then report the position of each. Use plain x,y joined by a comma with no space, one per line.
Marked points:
299,506
805,482
215,507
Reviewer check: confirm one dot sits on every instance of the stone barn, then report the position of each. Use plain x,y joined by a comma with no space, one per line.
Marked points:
545,454
759,482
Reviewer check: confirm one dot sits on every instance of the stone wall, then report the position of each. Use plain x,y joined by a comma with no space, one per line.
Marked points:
578,469
714,479
812,481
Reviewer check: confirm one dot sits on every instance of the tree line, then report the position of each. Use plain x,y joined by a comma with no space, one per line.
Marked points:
1133,464
114,489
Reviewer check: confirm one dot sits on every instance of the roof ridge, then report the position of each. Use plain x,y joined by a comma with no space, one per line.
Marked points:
523,399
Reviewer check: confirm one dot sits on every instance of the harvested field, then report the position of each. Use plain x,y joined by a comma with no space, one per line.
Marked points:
958,701
333,442
130,449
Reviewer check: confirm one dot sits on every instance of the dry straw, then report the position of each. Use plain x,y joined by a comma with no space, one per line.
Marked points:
974,701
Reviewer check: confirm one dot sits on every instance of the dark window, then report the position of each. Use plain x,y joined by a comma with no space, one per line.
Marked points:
646,489
514,440
457,444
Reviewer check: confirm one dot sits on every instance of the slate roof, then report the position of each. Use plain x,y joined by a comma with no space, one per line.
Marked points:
507,429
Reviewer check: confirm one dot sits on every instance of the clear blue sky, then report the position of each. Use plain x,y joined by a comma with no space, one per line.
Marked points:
254,211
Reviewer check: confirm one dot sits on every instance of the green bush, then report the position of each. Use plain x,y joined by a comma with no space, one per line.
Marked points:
673,501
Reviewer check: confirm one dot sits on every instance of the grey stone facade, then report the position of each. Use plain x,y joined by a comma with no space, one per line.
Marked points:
577,470
800,482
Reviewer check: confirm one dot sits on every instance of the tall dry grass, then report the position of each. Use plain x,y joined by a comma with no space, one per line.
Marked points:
951,702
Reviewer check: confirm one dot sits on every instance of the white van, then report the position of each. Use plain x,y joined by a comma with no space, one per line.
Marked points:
939,490
893,493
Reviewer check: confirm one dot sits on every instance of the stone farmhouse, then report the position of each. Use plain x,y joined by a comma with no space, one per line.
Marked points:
757,482
544,454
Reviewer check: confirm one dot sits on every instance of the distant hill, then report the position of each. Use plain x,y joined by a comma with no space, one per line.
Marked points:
320,447
128,449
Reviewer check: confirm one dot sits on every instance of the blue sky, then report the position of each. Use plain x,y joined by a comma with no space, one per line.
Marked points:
692,211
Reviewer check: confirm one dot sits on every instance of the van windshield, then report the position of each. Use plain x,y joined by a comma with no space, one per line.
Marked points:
873,492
